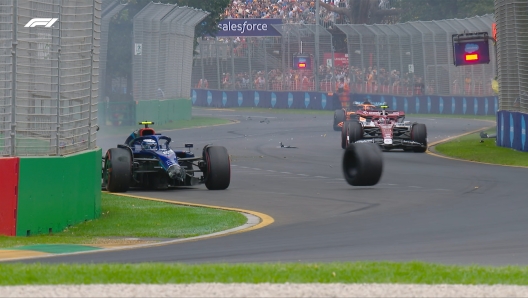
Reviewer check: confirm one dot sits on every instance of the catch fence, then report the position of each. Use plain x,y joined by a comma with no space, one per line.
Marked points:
48,76
512,36
414,58
163,49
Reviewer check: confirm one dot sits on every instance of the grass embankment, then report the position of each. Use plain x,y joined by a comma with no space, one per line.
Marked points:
472,147
132,217
358,272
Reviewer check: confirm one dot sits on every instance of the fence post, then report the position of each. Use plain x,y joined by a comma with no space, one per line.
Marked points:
57,132
91,81
202,64
317,20
250,50
232,50
219,80
14,79
265,66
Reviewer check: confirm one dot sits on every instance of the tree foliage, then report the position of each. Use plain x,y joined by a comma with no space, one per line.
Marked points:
430,10
379,11
363,11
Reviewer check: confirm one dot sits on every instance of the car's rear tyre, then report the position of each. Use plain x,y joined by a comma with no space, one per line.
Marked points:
117,170
218,171
362,164
354,132
339,116
419,135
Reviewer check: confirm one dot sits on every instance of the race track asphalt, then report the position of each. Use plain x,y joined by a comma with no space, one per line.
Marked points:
425,207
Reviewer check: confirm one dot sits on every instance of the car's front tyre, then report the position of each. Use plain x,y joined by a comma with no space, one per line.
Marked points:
117,170
419,135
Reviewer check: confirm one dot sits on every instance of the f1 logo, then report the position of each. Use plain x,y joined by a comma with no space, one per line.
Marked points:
46,22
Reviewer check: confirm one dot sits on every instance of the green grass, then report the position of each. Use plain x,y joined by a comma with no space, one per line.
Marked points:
470,147
360,272
132,217
196,121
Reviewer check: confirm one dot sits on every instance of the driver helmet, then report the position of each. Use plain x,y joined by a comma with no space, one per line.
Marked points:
148,145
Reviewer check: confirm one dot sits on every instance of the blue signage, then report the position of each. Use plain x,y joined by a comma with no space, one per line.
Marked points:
248,27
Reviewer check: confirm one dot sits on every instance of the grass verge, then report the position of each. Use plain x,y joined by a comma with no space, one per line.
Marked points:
196,121
131,217
472,147
359,272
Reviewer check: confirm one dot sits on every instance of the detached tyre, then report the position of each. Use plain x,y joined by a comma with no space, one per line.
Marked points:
339,116
218,172
117,170
419,135
362,164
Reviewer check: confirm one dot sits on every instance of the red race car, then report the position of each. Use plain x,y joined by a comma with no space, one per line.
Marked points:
388,129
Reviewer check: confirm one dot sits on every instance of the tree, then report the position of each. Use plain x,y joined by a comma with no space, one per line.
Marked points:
365,11
392,11
430,10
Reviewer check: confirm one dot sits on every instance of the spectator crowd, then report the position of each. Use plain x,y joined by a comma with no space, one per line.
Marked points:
370,79
291,11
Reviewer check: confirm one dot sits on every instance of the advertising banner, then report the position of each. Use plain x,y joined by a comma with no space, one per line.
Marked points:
423,104
340,59
248,27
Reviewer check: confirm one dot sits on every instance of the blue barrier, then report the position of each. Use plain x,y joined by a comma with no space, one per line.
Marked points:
423,104
511,130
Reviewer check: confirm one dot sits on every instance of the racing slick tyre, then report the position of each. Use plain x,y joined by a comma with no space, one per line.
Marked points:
117,170
344,142
218,171
339,116
362,164
419,135
354,132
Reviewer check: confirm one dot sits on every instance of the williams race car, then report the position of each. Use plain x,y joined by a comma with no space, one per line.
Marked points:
146,160
388,129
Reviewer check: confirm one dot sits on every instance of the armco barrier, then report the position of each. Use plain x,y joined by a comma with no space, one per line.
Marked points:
423,104
511,130
56,192
8,195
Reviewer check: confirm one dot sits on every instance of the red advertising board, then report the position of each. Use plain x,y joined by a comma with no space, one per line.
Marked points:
340,59
8,195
